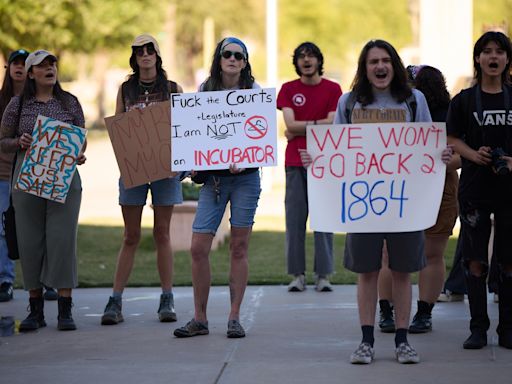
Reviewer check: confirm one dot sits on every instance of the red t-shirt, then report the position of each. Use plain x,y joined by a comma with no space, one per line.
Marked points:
309,102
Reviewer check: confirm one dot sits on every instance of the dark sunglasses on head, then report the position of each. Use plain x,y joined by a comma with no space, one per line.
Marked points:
139,51
227,54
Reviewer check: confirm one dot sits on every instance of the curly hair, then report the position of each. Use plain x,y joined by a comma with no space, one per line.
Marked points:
431,82
308,48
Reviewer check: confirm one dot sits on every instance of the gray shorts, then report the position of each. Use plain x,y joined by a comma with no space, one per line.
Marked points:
363,251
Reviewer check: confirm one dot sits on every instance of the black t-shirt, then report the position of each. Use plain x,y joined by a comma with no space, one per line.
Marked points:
492,128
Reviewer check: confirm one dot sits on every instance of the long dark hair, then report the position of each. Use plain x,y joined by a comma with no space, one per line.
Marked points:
132,84
7,91
214,81
503,42
431,82
308,48
361,86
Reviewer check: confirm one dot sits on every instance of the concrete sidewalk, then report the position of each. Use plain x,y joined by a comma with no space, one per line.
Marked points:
291,338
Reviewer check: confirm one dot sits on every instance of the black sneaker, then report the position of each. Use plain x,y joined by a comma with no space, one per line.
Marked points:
166,312
6,292
422,320
112,314
50,294
477,340
192,328
235,329
386,319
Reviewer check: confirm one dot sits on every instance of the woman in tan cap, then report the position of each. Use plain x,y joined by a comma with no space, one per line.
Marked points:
146,85
47,230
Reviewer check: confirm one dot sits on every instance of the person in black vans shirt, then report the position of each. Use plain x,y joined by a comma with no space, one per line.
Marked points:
479,126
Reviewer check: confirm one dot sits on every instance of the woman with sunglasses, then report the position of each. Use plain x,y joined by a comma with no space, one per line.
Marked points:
46,230
240,187
147,84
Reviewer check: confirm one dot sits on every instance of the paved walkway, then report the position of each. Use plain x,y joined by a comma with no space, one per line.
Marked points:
291,338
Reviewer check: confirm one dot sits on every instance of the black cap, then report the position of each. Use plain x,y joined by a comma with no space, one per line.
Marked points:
19,53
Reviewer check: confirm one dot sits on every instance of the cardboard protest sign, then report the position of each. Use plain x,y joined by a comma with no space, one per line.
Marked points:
141,139
50,162
211,130
375,177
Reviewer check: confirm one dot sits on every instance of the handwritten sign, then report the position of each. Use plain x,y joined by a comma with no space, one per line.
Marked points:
141,139
211,130
50,162
375,177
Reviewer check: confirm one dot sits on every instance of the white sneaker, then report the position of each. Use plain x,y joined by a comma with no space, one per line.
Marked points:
449,297
298,284
323,285
405,354
364,354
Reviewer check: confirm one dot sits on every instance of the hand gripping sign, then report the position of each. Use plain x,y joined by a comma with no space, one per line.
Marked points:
211,130
50,162
375,177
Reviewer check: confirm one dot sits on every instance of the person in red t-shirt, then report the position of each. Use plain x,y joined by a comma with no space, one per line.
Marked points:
308,100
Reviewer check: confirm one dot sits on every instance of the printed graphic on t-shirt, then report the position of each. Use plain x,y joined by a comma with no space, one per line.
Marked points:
144,100
494,118
299,99
381,115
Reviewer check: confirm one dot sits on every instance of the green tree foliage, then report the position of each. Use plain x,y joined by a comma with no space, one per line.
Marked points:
491,13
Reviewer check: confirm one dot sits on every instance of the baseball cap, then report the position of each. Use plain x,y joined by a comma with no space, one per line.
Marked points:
15,54
146,39
37,57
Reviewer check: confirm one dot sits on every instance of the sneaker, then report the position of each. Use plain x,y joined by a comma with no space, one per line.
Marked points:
323,285
298,284
477,340
192,328
386,317
235,329
421,323
364,354
112,314
405,354
6,292
450,297
166,312
50,294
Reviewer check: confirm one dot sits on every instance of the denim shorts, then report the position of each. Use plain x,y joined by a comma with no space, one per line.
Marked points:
164,192
242,192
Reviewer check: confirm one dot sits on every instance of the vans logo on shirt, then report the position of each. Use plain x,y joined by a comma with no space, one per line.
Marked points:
497,118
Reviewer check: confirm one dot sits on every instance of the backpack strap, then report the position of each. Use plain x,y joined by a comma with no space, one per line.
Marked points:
412,105
349,107
172,86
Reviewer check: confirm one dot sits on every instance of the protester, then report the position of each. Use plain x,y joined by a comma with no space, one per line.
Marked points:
240,187
380,88
147,84
308,100
14,79
480,129
46,230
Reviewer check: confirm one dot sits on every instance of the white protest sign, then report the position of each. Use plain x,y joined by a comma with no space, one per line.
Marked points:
211,130
50,162
375,177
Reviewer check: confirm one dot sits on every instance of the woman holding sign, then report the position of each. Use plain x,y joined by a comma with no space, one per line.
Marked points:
47,230
147,85
240,187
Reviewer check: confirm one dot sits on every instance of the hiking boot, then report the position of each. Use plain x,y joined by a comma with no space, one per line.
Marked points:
405,354
65,320
50,294
450,297
35,319
422,320
6,292
192,328
235,329
364,354
323,285
166,312
112,314
298,284
477,340
386,319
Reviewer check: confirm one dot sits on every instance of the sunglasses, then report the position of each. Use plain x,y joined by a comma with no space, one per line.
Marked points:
238,55
139,51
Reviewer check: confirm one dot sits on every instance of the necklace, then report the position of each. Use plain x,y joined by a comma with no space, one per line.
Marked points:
147,88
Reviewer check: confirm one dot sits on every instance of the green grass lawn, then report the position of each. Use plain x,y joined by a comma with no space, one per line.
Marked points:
98,247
